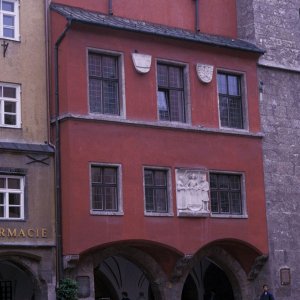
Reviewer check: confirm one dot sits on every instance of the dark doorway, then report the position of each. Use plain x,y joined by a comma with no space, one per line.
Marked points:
216,284
189,291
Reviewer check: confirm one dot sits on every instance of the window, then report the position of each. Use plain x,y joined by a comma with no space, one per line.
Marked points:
9,19
104,84
10,105
11,197
226,194
156,190
105,188
170,94
230,100
5,290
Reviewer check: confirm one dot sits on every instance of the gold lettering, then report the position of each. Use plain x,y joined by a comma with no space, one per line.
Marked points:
30,233
44,232
22,233
37,233
2,232
11,233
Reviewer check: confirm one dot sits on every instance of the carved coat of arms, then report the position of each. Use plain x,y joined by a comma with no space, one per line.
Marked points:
205,72
142,62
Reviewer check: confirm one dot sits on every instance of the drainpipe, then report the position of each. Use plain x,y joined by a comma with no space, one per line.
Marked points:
110,9
197,26
58,205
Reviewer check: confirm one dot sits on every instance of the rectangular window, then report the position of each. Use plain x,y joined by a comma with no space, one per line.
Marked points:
6,290
9,19
104,188
10,115
226,194
170,93
230,100
156,190
104,84
11,197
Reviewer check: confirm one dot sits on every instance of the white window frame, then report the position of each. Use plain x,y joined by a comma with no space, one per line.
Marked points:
170,212
17,100
16,15
7,191
119,187
243,82
244,214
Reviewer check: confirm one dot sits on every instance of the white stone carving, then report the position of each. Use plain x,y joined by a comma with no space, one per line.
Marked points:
192,190
142,62
205,72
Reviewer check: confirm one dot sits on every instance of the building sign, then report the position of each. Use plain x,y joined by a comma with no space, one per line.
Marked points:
37,233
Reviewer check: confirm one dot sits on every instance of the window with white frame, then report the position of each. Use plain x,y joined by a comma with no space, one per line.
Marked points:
156,184
105,189
231,102
226,194
11,197
10,115
9,19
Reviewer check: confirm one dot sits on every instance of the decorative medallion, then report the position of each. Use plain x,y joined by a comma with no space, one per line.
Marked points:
205,72
142,62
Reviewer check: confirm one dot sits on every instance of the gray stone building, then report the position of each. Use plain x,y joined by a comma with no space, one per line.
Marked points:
274,25
27,210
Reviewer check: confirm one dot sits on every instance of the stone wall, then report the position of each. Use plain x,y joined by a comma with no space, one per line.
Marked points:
276,29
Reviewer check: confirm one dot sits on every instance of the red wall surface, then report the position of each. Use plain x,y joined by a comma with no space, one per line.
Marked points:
134,146
215,16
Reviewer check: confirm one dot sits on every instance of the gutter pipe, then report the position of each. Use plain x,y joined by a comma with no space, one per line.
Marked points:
58,205
197,26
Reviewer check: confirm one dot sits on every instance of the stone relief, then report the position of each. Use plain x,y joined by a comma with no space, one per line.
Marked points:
205,72
192,190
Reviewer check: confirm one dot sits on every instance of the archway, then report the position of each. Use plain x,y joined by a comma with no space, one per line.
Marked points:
115,275
15,282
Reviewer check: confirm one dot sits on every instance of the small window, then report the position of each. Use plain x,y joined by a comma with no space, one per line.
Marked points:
170,94
226,194
11,197
230,100
6,291
9,19
156,190
104,84
10,115
105,189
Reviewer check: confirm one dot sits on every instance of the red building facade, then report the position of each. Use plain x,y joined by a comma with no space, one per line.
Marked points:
155,116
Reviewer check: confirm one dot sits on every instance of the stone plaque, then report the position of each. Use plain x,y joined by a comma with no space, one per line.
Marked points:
192,192
205,72
142,62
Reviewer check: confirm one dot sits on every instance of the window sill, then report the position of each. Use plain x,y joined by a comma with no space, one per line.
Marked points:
225,216
106,213
155,214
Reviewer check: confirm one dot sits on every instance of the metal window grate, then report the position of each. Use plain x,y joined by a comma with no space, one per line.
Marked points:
6,290
226,194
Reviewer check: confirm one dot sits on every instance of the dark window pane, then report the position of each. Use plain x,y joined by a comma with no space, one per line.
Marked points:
95,87
98,196
2,183
109,176
10,107
1,198
1,213
175,77
110,198
225,192
148,177
233,86
13,183
149,199
162,75
222,84
14,212
109,67
1,91
161,203
95,65
10,119
14,199
110,98
176,106
9,92
96,174
235,113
